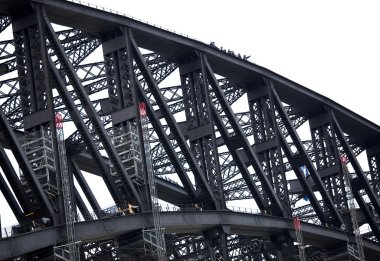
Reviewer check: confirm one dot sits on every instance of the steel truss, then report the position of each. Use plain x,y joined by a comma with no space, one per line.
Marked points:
214,138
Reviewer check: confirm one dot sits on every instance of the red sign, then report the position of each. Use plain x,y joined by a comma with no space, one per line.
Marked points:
297,223
142,109
58,121
344,159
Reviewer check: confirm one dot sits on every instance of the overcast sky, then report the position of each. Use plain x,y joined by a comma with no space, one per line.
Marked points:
331,47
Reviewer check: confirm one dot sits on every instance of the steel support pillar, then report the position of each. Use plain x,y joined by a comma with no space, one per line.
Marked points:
129,191
93,150
329,214
327,158
360,184
169,149
373,155
267,143
200,126
124,101
36,94
216,240
239,140
328,162
284,245
174,128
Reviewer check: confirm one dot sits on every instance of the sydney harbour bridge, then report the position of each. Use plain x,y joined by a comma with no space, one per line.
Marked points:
174,157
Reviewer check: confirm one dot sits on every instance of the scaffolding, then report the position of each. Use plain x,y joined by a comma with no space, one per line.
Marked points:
299,237
154,238
38,148
126,142
355,249
69,251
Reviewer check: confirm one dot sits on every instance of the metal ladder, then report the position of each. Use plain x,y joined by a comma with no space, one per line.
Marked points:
299,237
68,252
355,250
154,239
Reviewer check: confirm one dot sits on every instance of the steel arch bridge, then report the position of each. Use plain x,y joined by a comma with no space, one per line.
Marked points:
227,130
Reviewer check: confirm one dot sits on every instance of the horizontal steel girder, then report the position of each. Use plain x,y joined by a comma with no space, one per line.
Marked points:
177,222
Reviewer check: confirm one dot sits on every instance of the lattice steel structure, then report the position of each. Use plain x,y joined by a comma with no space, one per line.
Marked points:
221,129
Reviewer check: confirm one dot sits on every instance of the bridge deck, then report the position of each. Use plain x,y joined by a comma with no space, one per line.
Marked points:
179,222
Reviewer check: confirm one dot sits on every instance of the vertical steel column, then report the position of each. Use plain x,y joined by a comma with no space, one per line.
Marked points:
50,108
118,65
29,65
216,240
239,140
199,119
123,95
99,128
373,155
267,142
284,245
169,149
30,50
360,183
327,158
171,121
83,130
299,159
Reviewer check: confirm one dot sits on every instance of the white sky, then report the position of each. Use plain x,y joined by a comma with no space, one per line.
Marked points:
331,47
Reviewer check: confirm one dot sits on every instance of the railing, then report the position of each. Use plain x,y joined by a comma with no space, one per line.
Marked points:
16,230
246,210
128,16
212,44
114,211
169,180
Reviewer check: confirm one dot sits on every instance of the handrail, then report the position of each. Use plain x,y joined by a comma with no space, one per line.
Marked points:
114,211
101,8
212,44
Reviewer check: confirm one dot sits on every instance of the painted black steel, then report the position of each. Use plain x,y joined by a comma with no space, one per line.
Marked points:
205,154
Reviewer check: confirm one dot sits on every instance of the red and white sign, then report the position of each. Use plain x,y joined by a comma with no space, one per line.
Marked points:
142,109
344,159
297,223
58,121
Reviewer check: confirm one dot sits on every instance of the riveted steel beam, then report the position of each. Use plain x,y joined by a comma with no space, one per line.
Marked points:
201,180
239,140
90,111
329,214
85,187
